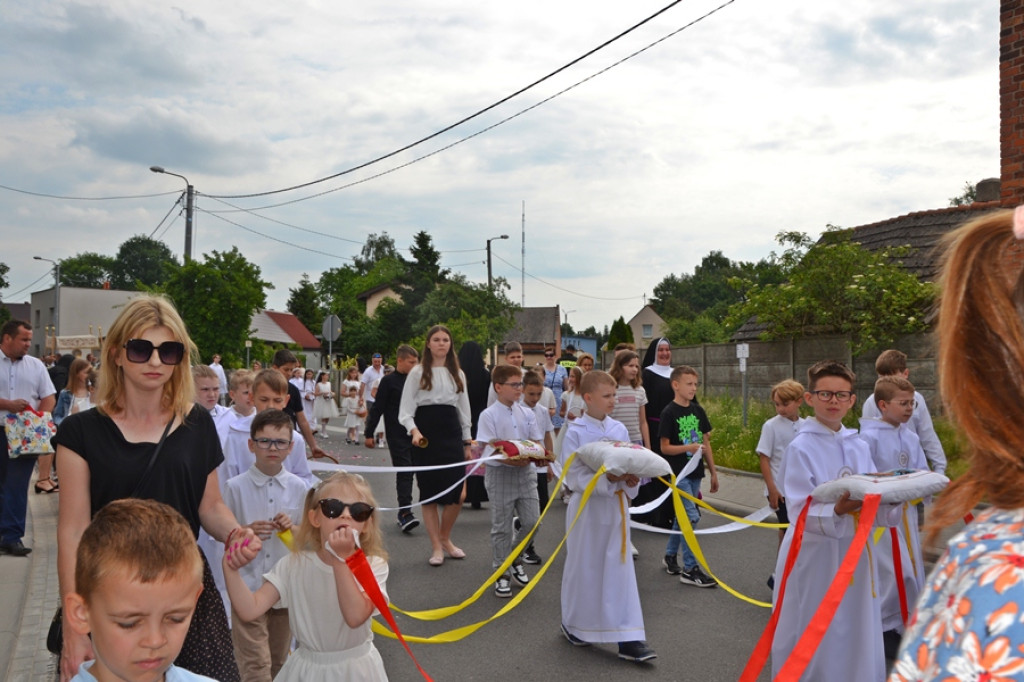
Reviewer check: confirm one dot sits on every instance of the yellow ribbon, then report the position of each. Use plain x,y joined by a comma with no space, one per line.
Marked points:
691,541
463,632
621,494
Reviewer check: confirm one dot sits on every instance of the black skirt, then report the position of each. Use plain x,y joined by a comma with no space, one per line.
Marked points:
440,425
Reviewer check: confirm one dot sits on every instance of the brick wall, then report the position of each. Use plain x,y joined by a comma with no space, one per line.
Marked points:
1011,101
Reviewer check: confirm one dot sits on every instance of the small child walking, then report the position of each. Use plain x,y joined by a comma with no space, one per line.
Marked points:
630,397
824,450
354,413
894,445
685,432
324,408
328,612
268,499
776,435
600,599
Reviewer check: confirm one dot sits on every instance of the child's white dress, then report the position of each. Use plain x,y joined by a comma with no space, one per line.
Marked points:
328,649
352,420
323,406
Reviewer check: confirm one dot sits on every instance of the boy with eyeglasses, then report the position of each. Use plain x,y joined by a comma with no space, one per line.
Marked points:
511,485
894,445
823,450
268,499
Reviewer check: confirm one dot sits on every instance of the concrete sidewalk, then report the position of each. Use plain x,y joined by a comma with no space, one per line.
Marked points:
30,595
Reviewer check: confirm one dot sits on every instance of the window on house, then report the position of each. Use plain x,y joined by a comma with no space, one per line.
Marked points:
648,330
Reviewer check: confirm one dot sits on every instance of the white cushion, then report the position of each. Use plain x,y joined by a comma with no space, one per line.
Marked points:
624,458
896,486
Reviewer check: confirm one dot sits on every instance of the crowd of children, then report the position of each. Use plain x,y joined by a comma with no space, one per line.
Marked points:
306,528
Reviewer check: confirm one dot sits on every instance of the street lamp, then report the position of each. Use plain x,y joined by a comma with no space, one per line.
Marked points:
489,280
189,193
56,297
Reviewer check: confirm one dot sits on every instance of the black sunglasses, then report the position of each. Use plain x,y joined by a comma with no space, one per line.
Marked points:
141,350
332,509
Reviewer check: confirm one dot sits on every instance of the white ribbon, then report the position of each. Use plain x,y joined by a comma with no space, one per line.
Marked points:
759,515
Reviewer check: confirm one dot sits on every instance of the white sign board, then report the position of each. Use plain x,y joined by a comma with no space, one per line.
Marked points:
742,350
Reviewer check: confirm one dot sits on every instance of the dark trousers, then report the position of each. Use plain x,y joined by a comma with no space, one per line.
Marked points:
14,477
401,456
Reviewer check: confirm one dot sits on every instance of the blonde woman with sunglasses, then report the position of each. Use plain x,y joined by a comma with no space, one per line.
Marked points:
144,407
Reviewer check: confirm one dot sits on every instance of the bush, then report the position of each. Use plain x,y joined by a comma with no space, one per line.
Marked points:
735,446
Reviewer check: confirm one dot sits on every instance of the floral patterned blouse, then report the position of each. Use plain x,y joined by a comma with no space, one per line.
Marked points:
969,623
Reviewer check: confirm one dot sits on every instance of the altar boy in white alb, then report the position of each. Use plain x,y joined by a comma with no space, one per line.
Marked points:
824,450
600,600
894,445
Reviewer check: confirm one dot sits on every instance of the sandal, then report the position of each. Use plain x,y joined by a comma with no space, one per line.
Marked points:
52,489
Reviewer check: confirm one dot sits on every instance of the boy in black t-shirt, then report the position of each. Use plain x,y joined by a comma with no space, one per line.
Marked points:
684,432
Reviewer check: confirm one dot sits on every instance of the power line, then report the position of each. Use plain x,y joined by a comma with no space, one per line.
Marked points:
45,274
279,222
463,120
275,239
58,196
176,202
555,286
481,131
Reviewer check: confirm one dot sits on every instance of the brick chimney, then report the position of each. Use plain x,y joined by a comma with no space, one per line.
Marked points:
1011,101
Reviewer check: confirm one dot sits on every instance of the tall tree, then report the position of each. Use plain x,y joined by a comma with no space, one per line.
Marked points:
87,270
967,196
304,303
377,248
836,286
217,298
472,311
620,333
142,263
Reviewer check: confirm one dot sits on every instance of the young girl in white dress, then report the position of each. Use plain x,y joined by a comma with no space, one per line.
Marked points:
324,408
307,387
328,611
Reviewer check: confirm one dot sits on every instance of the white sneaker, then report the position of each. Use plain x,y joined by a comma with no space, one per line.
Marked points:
519,575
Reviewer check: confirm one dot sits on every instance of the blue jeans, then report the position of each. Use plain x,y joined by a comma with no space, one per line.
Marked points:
14,477
691,486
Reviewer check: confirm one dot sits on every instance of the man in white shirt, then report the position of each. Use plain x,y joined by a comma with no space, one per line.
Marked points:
372,374
221,377
24,383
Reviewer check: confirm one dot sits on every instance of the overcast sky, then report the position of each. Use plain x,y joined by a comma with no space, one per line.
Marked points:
765,116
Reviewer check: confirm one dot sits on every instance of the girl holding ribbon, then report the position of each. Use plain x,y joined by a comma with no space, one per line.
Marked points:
334,636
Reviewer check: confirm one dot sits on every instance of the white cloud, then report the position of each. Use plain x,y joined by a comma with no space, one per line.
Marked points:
764,117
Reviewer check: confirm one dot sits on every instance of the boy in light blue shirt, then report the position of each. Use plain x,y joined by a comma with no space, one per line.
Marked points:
138,576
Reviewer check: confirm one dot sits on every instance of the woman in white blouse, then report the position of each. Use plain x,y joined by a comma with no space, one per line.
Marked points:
435,412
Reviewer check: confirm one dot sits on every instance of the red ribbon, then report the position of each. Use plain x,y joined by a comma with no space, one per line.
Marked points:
808,643
897,568
360,568
763,649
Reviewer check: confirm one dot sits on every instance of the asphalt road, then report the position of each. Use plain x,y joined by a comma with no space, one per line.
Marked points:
699,634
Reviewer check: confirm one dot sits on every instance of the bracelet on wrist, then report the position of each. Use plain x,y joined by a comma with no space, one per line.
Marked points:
227,541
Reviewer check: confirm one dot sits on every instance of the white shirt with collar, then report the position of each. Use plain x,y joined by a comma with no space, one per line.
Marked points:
255,496
504,422
25,379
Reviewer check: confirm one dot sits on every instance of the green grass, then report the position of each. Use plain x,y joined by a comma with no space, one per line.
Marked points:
735,445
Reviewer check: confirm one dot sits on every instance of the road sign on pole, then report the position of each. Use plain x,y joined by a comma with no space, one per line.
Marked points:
331,331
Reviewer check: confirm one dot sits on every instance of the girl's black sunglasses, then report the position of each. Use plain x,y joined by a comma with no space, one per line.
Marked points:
141,350
332,509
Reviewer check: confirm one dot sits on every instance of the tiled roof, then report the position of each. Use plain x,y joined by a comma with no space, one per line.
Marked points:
922,231
534,325
293,328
